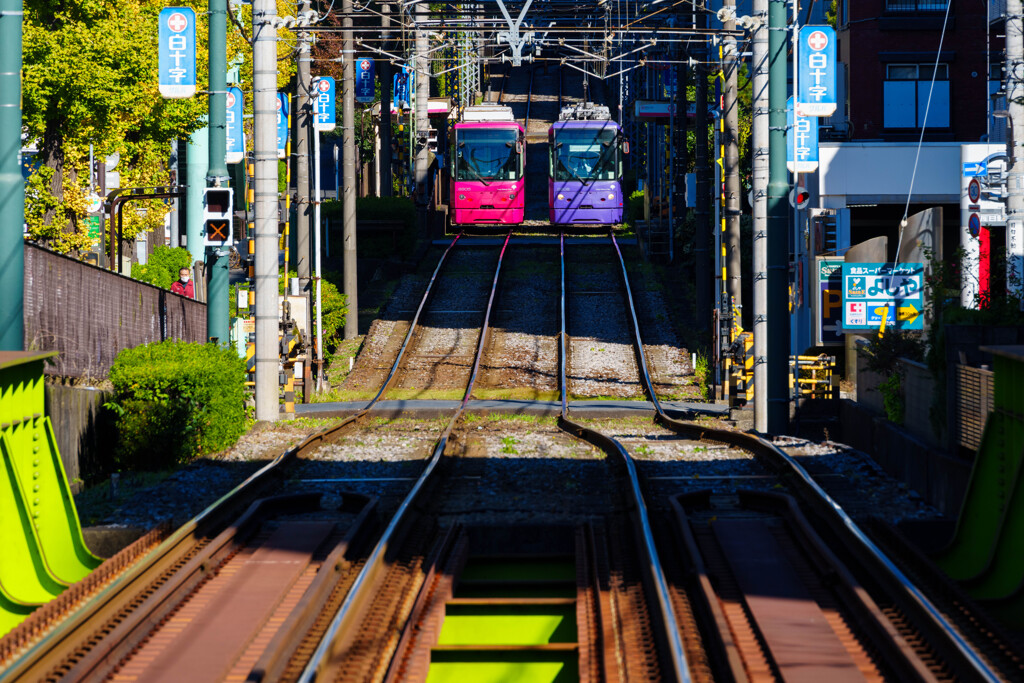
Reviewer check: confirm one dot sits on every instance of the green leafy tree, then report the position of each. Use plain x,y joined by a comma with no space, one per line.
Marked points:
163,266
90,78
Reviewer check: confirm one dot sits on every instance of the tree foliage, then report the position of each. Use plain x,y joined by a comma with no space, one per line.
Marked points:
163,266
90,78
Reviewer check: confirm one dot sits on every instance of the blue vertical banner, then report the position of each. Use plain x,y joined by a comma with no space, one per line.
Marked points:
816,75
234,137
323,104
177,51
365,80
282,124
403,87
801,142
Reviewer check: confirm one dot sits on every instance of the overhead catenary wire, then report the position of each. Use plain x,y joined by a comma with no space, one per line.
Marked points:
920,141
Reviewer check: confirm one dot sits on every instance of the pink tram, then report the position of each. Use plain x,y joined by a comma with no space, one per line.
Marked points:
487,162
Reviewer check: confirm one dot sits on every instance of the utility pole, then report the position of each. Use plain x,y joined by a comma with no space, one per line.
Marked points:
303,124
759,162
385,107
702,249
731,209
217,310
1015,176
12,187
777,357
348,169
264,79
422,77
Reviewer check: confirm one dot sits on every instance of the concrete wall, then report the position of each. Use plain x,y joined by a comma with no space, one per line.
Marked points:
938,478
919,389
75,414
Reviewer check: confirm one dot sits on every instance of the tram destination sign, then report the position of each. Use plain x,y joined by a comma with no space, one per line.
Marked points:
877,295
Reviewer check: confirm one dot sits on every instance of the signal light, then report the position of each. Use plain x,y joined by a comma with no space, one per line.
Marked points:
217,210
799,197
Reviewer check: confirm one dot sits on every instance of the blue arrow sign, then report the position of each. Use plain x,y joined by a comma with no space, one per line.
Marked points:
282,123
234,137
323,104
365,79
801,142
816,76
177,37
975,168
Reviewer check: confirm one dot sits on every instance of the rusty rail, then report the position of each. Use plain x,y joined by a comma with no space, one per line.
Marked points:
156,565
342,629
642,525
944,635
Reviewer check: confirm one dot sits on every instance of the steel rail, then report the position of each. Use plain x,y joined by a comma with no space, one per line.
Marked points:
109,600
361,593
838,519
651,560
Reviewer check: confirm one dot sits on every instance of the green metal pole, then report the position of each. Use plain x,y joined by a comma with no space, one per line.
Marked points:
197,161
217,310
218,28
777,308
12,186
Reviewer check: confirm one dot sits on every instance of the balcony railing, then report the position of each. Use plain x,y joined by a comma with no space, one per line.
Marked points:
915,5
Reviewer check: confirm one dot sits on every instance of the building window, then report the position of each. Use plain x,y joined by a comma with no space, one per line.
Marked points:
905,96
915,5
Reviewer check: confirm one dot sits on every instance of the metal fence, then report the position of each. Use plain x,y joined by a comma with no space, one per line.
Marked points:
915,5
975,399
89,314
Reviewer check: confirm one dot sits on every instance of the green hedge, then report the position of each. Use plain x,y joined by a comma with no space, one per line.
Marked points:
176,401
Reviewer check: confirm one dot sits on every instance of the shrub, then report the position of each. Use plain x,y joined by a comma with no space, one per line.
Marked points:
176,401
163,266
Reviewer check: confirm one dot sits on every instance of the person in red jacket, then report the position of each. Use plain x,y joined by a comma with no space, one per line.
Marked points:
183,285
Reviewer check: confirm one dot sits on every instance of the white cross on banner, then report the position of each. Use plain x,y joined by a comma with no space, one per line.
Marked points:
816,73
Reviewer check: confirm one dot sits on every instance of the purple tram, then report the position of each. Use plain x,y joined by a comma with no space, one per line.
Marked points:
487,165
585,150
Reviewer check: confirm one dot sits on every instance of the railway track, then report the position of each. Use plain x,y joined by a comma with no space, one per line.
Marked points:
493,564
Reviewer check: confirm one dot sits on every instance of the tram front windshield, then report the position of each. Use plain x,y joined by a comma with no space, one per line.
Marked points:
585,154
486,154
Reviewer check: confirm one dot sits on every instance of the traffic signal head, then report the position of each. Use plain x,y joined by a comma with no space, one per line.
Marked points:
799,197
217,216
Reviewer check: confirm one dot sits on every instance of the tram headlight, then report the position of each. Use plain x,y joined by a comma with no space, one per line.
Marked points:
561,196
611,196
462,196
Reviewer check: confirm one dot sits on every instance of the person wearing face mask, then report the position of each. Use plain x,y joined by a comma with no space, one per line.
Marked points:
183,285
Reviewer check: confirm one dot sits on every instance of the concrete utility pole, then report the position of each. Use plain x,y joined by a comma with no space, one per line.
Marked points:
777,375
303,111
1015,176
217,309
702,249
759,162
12,187
348,170
422,77
730,63
264,79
